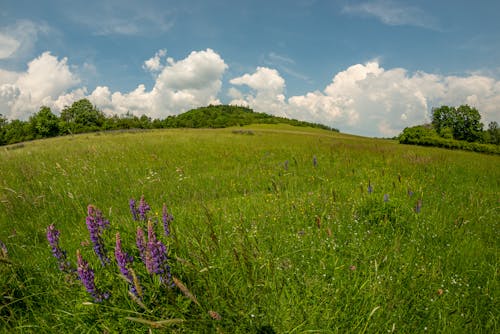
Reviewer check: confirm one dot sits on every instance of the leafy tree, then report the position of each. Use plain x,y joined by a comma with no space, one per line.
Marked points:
3,129
44,124
464,122
82,116
17,131
493,133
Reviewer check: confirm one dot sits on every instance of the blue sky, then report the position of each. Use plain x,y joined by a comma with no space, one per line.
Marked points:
365,67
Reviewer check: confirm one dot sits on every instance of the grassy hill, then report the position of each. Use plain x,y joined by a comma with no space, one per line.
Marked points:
222,116
289,230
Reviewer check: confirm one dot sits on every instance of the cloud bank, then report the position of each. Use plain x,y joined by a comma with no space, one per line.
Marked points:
363,99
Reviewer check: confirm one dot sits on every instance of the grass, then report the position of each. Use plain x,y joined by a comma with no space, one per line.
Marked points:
262,238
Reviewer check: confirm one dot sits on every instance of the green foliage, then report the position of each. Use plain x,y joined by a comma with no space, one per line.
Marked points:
222,116
464,122
261,236
82,117
44,124
454,128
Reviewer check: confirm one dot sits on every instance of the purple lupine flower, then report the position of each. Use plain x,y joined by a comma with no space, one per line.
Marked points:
96,224
285,165
141,243
86,275
315,161
3,250
156,256
418,207
410,193
167,219
123,259
59,254
386,198
370,188
133,209
143,208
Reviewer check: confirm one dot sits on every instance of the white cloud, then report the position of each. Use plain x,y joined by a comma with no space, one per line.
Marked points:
45,81
267,91
191,82
393,13
366,99
153,64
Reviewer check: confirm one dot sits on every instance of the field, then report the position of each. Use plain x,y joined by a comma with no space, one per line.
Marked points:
276,229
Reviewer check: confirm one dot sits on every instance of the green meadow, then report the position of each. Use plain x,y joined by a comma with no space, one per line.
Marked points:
277,229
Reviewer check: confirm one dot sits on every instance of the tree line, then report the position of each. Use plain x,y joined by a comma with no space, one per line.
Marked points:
455,128
82,116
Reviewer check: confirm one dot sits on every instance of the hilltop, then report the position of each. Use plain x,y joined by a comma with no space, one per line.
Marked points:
222,116
82,117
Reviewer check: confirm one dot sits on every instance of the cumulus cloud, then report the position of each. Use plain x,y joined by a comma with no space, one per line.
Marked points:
45,81
154,64
181,85
363,99
267,87
369,100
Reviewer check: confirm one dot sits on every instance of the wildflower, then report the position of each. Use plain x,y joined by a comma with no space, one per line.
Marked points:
3,250
96,224
59,254
315,161
143,208
410,193
133,208
123,259
167,219
386,198
352,268
140,241
86,275
418,207
156,256
285,165
370,188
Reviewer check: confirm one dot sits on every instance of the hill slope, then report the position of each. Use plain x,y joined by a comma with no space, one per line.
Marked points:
222,116
287,230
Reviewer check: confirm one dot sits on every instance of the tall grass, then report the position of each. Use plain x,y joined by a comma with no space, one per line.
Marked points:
263,238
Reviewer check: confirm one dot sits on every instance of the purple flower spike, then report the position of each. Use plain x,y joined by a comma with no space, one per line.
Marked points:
156,256
315,161
123,259
143,208
167,219
133,209
3,250
370,188
141,243
96,224
59,254
386,198
86,275
418,207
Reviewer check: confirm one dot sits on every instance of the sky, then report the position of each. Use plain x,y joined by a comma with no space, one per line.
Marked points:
367,67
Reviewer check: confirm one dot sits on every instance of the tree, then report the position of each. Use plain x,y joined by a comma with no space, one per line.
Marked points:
464,122
44,123
3,129
82,116
493,133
